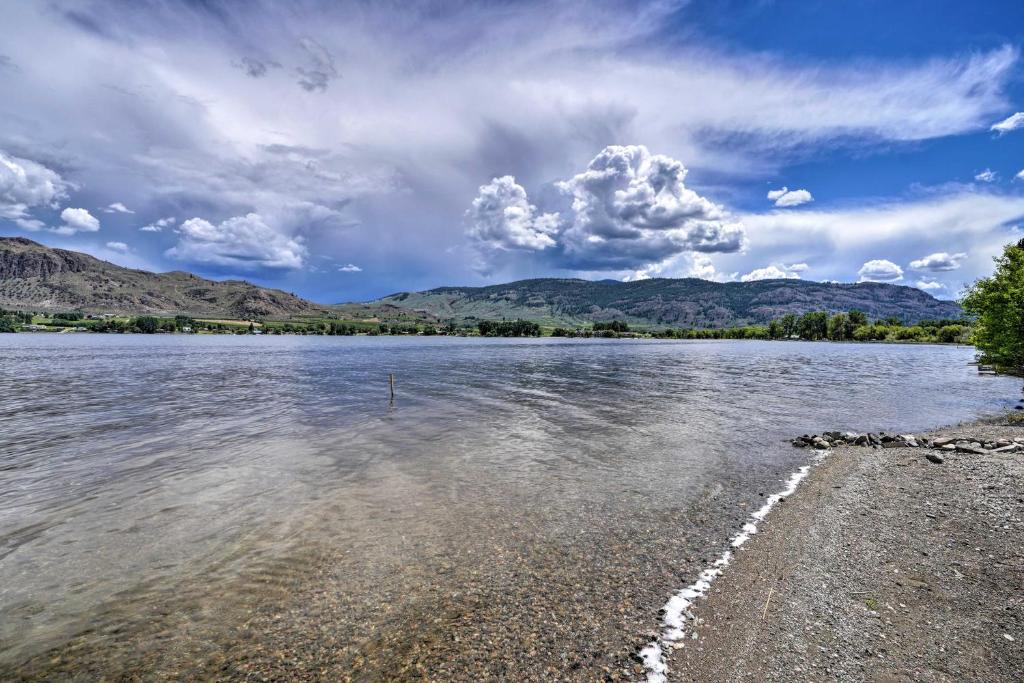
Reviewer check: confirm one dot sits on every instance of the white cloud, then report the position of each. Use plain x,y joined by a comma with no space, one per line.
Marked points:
445,96
1010,123
785,197
25,185
242,242
158,225
350,268
965,220
939,261
929,285
986,176
880,270
117,207
631,208
118,246
776,271
1020,175
691,264
77,220
503,219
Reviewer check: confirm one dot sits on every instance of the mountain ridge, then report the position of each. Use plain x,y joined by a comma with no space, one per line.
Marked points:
672,302
37,277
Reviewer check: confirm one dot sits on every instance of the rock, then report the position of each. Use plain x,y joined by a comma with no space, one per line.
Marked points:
935,458
948,447
862,440
893,444
971,449
875,439
1011,448
943,440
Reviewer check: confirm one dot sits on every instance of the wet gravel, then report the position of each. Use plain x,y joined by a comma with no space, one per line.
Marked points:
504,600
884,566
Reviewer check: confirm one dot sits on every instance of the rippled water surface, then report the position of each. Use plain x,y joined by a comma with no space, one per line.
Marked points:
185,505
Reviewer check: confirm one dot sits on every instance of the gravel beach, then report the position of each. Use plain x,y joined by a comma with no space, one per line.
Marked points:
884,566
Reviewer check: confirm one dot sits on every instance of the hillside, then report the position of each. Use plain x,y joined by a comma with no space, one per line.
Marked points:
36,277
686,302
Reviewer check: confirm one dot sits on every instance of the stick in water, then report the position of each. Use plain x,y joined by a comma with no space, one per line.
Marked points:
391,382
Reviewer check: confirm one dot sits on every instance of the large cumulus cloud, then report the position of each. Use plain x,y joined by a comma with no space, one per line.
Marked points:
630,209
243,242
502,218
27,185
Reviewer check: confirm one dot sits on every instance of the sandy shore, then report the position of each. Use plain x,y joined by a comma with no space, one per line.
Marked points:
882,567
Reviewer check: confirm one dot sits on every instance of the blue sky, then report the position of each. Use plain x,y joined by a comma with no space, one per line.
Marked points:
345,151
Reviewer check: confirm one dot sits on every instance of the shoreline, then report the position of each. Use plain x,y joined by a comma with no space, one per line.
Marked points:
883,565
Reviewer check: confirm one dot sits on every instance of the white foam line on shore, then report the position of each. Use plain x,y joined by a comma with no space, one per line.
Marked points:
678,608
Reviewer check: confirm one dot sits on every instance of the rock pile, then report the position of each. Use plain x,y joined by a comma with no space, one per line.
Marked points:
883,440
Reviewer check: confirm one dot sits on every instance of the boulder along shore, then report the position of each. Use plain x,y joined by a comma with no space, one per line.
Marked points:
900,558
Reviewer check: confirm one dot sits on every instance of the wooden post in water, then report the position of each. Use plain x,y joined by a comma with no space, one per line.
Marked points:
391,383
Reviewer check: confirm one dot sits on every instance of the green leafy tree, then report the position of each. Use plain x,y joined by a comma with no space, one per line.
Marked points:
997,303
838,327
857,318
813,325
146,324
789,325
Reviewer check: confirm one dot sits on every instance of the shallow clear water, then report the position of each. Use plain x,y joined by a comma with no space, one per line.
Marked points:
203,478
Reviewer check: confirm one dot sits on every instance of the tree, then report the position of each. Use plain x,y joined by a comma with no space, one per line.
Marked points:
147,324
774,329
611,326
857,318
788,324
997,303
838,327
813,325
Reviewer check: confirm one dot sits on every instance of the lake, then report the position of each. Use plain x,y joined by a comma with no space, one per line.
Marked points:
218,506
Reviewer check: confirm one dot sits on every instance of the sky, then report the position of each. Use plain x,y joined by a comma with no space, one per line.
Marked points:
348,150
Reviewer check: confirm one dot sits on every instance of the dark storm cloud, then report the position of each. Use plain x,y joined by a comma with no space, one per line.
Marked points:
255,68
320,69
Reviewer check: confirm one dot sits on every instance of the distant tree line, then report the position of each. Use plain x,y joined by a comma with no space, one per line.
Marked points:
11,321
821,326
610,328
508,328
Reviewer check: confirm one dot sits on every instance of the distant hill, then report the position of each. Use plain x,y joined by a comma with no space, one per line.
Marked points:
36,277
688,302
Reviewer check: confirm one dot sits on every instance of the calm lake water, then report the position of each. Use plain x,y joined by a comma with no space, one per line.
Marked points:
176,506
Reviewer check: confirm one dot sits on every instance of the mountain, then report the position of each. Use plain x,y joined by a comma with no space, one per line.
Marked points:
688,302
36,277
